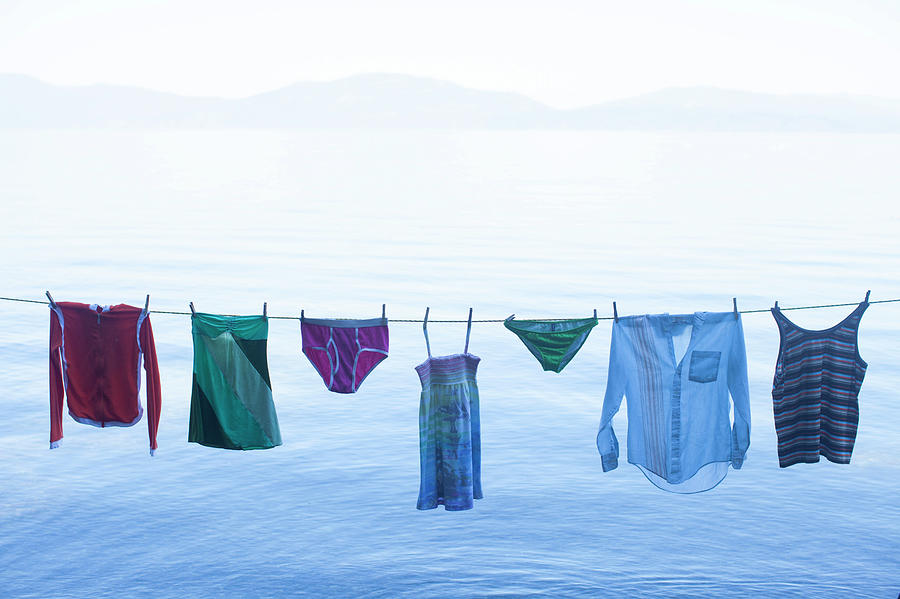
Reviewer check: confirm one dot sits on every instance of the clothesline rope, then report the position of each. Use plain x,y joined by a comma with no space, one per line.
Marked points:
419,320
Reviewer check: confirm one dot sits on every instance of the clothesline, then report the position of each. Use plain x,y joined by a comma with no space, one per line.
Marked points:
687,404
419,320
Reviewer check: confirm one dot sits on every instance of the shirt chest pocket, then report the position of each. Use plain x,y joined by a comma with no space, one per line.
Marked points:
704,366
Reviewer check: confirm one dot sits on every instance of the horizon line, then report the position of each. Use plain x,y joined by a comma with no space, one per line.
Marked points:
458,85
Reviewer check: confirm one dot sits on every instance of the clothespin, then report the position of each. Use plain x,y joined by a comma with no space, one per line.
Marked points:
301,314
615,313
734,301
776,305
866,300
193,312
147,303
50,297
595,312
264,309
383,317
510,317
425,322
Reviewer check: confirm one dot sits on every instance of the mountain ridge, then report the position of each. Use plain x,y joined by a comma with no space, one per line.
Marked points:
397,101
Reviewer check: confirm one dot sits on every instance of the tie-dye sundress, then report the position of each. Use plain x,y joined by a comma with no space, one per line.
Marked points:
449,431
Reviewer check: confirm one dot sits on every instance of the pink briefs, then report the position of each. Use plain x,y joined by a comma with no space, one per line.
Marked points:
344,351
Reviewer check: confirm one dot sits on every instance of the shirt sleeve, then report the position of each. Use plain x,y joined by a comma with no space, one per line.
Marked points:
57,387
607,444
151,366
739,387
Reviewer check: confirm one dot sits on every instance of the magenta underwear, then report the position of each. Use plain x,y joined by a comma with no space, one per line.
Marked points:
344,351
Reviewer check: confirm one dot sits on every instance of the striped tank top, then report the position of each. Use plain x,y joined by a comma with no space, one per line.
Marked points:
817,380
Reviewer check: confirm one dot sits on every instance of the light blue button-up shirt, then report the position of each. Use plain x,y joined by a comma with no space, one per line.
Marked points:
677,372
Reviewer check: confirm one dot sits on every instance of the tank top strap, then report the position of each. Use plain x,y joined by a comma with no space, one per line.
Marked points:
857,314
783,323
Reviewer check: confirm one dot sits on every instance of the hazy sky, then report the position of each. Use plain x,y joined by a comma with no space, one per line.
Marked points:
563,52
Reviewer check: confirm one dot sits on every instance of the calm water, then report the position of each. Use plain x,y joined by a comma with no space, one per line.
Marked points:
539,224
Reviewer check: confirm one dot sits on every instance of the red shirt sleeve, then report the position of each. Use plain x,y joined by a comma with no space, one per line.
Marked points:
57,387
151,366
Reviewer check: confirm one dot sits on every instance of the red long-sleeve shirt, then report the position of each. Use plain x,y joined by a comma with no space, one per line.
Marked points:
95,361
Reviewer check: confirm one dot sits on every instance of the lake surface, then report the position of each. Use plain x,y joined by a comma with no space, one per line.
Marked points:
539,224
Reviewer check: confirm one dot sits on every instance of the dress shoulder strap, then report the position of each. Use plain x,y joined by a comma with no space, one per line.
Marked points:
425,329
468,332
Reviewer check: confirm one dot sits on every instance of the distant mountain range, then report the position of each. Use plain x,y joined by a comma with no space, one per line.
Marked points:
406,102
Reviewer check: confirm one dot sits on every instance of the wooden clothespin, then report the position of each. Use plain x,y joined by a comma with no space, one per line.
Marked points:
193,312
147,303
510,317
776,305
264,309
866,300
383,312
595,312
302,316
425,322
734,301
615,313
50,297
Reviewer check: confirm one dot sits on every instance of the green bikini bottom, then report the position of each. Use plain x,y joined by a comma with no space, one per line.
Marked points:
553,342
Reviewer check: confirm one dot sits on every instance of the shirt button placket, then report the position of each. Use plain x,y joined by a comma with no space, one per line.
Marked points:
675,446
